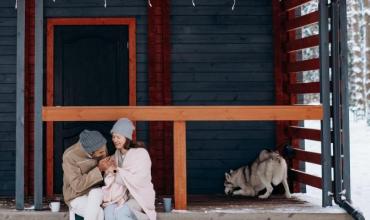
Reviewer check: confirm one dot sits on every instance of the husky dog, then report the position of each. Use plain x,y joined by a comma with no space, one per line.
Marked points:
268,168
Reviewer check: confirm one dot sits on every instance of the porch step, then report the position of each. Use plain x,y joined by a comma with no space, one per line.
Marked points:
189,215
213,207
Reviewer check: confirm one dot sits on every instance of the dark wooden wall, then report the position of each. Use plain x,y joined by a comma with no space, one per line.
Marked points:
8,28
222,57
219,57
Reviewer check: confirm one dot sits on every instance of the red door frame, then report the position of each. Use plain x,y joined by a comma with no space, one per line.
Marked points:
51,23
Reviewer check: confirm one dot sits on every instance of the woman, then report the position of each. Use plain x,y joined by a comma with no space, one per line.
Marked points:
129,192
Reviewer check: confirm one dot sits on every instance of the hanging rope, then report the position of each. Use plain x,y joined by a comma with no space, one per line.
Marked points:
149,3
105,3
232,8
16,4
193,1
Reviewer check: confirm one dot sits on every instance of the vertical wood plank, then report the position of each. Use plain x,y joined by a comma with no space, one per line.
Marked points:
38,157
50,102
167,92
132,62
19,184
180,187
279,40
28,95
292,79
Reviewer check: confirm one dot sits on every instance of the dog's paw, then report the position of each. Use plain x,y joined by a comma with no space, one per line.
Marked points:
264,196
288,196
238,192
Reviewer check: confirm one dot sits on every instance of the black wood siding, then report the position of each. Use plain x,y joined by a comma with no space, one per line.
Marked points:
222,57
8,28
219,57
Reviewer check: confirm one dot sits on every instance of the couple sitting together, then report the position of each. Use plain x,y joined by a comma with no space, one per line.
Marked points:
127,192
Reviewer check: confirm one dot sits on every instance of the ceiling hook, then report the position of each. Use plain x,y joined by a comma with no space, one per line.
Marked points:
232,8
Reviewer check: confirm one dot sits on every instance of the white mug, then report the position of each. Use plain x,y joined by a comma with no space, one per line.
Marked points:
54,206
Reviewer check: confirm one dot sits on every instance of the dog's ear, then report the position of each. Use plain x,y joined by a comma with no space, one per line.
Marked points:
227,176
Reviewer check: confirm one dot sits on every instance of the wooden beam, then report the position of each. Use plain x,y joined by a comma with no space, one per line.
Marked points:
305,178
307,156
301,88
180,186
184,113
304,133
305,65
299,22
39,69
19,142
311,41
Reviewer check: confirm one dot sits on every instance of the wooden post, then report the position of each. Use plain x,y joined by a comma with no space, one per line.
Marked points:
19,170
38,146
179,141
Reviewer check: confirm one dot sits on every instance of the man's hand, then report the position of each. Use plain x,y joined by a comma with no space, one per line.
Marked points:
105,163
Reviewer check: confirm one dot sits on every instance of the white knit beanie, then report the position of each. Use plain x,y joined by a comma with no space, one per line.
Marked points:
123,127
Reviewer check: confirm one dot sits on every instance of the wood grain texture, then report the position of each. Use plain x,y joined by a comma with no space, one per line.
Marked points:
180,186
184,113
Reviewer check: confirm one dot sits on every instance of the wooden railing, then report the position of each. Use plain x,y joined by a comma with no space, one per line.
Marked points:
290,65
180,115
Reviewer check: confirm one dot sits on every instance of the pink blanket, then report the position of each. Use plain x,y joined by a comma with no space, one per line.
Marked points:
136,175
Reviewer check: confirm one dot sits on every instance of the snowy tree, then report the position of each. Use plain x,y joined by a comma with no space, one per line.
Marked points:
357,60
367,57
358,25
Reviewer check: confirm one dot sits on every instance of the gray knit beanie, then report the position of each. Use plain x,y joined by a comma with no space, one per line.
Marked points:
123,127
92,140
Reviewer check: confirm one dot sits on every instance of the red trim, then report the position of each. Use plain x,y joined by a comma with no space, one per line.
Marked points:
303,43
308,156
304,133
291,79
302,21
300,88
51,23
278,32
293,4
159,80
167,95
28,93
305,65
305,178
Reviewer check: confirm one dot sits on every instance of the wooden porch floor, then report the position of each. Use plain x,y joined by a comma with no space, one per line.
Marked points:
213,207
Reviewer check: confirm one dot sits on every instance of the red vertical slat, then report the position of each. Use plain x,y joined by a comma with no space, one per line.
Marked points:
29,90
292,57
278,66
160,133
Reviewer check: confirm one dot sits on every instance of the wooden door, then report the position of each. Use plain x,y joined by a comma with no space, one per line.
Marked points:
91,69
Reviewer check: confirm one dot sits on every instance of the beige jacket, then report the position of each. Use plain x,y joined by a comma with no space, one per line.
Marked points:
81,173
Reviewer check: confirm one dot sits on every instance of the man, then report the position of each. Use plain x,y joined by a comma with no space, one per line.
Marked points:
83,167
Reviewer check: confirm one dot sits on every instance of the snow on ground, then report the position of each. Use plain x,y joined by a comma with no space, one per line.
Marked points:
360,169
